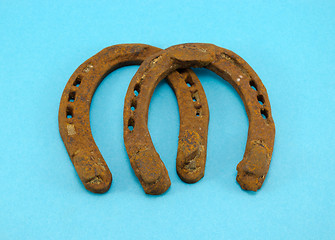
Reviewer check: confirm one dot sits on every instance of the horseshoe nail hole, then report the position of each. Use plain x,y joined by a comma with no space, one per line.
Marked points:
137,89
69,112
260,99
181,70
72,96
189,81
253,85
77,82
133,105
264,113
195,96
197,105
197,114
131,124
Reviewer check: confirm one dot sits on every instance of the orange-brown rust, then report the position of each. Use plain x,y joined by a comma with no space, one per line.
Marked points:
253,168
74,122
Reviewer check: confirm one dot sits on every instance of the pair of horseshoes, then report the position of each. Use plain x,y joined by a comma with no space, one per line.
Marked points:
194,115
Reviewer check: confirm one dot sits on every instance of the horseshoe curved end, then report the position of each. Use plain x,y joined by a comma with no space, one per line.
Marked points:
151,172
94,174
252,170
191,157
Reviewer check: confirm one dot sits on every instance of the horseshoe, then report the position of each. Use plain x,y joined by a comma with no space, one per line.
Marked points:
73,117
253,168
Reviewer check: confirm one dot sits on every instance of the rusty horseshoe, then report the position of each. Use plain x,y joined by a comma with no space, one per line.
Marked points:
73,117
253,169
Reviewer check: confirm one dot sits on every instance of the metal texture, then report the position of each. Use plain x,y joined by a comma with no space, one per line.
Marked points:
73,118
253,169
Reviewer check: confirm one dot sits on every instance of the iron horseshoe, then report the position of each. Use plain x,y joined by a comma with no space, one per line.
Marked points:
253,169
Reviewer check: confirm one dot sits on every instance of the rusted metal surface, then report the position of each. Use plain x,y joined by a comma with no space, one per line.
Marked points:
74,122
253,169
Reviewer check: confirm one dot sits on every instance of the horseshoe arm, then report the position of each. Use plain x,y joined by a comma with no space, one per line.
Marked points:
252,170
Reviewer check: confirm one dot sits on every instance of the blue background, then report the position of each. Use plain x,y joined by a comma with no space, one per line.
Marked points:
290,44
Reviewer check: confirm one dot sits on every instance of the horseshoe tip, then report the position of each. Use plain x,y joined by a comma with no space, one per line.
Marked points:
191,174
159,187
249,181
93,172
97,185
191,177
252,170
150,171
191,157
